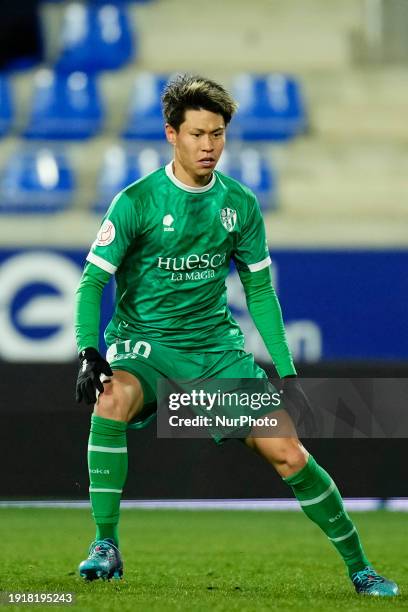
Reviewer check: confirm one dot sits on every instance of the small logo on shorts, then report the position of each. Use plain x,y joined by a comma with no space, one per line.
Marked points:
167,223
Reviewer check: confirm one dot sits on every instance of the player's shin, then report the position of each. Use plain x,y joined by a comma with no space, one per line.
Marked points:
108,464
322,503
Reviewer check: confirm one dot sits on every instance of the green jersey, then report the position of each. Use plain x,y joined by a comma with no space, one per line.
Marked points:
170,247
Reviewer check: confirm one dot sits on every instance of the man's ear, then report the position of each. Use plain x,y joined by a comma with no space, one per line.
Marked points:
171,134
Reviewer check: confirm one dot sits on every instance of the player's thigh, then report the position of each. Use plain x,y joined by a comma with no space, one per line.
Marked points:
122,398
148,361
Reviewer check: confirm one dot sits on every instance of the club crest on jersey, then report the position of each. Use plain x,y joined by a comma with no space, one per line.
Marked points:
228,217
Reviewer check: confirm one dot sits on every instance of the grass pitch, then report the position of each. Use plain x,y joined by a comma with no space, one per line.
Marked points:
200,561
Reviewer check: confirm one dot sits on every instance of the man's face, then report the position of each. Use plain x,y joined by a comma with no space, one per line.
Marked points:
197,145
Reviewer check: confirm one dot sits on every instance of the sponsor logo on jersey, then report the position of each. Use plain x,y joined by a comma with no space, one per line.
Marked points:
106,234
228,217
203,266
167,223
206,260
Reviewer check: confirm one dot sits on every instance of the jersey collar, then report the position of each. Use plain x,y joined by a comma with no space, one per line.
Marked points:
170,174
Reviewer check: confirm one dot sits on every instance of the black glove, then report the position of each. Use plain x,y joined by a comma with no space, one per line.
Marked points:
92,366
296,403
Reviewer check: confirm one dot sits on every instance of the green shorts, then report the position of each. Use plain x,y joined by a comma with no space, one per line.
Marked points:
150,361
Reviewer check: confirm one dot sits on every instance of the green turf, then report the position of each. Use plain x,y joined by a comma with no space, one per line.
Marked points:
185,560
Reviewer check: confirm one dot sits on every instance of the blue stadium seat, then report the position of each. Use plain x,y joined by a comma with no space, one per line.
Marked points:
6,105
120,168
255,171
145,119
36,181
65,106
271,107
95,37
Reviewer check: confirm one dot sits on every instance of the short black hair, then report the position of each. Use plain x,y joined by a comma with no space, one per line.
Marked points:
193,92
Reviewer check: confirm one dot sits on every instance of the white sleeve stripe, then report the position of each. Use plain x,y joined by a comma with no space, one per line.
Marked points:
101,263
260,265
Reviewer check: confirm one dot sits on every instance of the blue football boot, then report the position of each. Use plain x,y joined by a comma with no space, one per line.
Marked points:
104,561
368,582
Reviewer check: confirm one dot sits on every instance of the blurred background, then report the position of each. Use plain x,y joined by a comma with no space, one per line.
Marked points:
321,136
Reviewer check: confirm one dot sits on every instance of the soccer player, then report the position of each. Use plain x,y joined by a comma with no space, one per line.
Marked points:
169,239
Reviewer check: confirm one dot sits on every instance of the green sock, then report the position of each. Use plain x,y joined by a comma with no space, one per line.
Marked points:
322,503
107,463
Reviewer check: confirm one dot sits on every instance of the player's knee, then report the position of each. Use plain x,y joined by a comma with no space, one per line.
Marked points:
108,403
293,456
116,402
287,455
